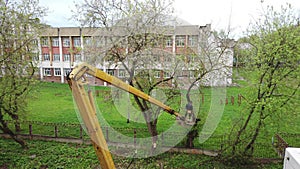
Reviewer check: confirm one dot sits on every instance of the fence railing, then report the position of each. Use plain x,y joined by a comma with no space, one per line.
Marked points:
75,132
130,136
284,140
280,145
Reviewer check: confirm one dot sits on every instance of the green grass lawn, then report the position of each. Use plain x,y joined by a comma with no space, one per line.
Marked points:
53,102
54,155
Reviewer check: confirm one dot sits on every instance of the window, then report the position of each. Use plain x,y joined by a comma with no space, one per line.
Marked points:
155,42
157,74
55,42
44,42
166,74
193,40
56,57
35,56
180,40
77,42
121,73
47,72
169,42
183,73
66,71
87,41
180,74
66,42
192,73
57,72
100,41
66,57
34,42
167,59
111,72
77,57
46,57
156,58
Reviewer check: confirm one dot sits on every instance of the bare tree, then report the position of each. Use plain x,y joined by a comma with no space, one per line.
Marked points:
20,23
133,35
209,65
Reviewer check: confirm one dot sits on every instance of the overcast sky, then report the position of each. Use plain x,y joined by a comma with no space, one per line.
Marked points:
219,13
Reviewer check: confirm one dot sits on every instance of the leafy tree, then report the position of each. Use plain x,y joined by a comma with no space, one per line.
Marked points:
20,23
272,75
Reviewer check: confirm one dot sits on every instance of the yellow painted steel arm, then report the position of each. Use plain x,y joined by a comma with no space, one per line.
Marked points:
83,68
86,107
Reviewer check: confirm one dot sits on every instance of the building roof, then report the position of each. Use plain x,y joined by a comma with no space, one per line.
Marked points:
122,31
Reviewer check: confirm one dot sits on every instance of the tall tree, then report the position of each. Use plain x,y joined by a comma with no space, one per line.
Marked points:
20,23
133,32
272,74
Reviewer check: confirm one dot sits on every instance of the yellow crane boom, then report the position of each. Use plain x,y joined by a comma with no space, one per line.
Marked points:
86,106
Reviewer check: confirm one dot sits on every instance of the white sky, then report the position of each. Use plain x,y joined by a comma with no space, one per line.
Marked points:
219,13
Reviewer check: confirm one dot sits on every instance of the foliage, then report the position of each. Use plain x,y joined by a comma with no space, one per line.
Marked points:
273,73
20,23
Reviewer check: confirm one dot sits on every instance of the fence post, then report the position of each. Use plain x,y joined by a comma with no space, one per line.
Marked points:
81,135
232,100
30,130
162,139
107,137
134,136
55,131
239,99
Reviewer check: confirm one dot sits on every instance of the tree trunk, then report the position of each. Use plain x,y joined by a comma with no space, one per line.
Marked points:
257,130
192,134
17,124
241,131
6,130
151,126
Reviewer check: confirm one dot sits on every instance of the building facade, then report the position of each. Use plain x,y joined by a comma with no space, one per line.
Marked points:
63,48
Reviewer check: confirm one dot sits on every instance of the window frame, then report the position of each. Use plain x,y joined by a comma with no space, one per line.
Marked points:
57,72
44,57
180,41
55,42
66,42
167,74
66,71
44,42
55,56
121,73
192,40
69,57
76,41
111,72
169,42
48,70
88,41
157,73
76,57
